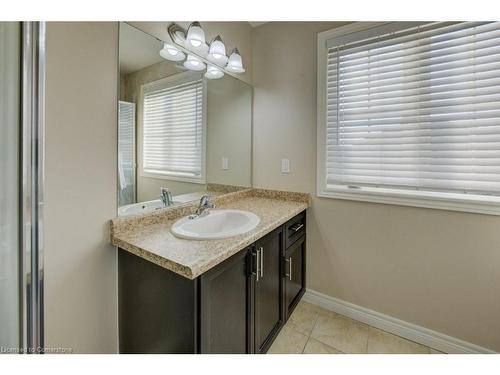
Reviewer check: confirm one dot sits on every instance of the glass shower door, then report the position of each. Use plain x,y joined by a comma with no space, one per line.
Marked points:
10,130
22,67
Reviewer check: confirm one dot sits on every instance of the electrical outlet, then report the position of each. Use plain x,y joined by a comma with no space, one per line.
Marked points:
225,163
285,166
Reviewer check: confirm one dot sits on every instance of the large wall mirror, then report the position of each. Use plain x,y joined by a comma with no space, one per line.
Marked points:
177,130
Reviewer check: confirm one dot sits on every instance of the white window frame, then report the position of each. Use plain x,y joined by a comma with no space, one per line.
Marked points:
484,204
202,179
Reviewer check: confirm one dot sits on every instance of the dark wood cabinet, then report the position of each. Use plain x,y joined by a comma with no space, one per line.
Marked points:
156,308
268,289
225,307
238,306
294,274
294,263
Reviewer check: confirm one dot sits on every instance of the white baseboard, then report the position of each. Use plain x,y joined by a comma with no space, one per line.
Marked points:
421,335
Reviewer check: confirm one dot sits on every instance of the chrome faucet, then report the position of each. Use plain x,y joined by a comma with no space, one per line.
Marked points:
203,208
166,197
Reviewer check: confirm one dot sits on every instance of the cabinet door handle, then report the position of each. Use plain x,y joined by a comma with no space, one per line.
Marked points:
257,268
261,262
289,274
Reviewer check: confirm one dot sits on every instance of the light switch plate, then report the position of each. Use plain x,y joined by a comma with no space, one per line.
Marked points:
225,163
285,166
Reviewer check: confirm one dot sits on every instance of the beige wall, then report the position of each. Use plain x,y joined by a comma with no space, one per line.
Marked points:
229,131
80,187
130,84
234,34
438,269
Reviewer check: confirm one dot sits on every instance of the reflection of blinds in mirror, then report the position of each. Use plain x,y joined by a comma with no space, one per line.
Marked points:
126,146
418,108
172,136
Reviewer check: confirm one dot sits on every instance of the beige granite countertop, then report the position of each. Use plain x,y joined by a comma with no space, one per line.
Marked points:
148,235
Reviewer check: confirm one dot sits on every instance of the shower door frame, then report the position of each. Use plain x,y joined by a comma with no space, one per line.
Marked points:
32,183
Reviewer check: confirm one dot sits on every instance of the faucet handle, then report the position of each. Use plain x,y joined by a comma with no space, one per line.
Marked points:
166,196
203,207
205,202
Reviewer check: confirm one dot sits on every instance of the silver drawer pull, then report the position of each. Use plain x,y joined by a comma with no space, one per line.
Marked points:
297,227
289,274
257,268
261,262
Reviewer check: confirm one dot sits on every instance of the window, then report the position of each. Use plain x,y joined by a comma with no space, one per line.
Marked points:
409,113
173,131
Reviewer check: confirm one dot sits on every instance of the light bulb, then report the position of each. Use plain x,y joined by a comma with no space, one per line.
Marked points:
213,72
194,63
195,35
169,52
235,63
217,52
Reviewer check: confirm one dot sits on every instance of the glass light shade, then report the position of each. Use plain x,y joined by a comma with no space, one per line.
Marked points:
194,63
235,64
217,52
213,72
195,35
169,52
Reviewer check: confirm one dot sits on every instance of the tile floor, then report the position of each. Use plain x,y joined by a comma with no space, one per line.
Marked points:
314,330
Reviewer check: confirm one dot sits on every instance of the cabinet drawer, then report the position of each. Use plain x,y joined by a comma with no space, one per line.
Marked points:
295,228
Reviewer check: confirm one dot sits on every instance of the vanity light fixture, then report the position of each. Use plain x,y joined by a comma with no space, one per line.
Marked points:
192,43
194,63
235,63
213,72
169,52
195,37
217,52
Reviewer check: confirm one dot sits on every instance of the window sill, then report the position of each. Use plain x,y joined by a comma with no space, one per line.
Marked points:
481,204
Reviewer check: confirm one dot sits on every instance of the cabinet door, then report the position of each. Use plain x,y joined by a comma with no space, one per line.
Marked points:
225,307
268,289
294,274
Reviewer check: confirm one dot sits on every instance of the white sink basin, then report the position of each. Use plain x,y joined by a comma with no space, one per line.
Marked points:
216,225
142,207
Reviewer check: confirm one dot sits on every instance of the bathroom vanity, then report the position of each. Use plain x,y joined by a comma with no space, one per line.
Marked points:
220,296
232,291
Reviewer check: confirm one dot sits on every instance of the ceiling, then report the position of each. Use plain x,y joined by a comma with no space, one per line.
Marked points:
137,49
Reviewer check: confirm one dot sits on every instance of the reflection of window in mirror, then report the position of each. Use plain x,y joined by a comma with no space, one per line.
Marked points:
173,132
126,153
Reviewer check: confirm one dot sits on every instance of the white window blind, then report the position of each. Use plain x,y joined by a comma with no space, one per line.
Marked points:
126,149
415,109
172,129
